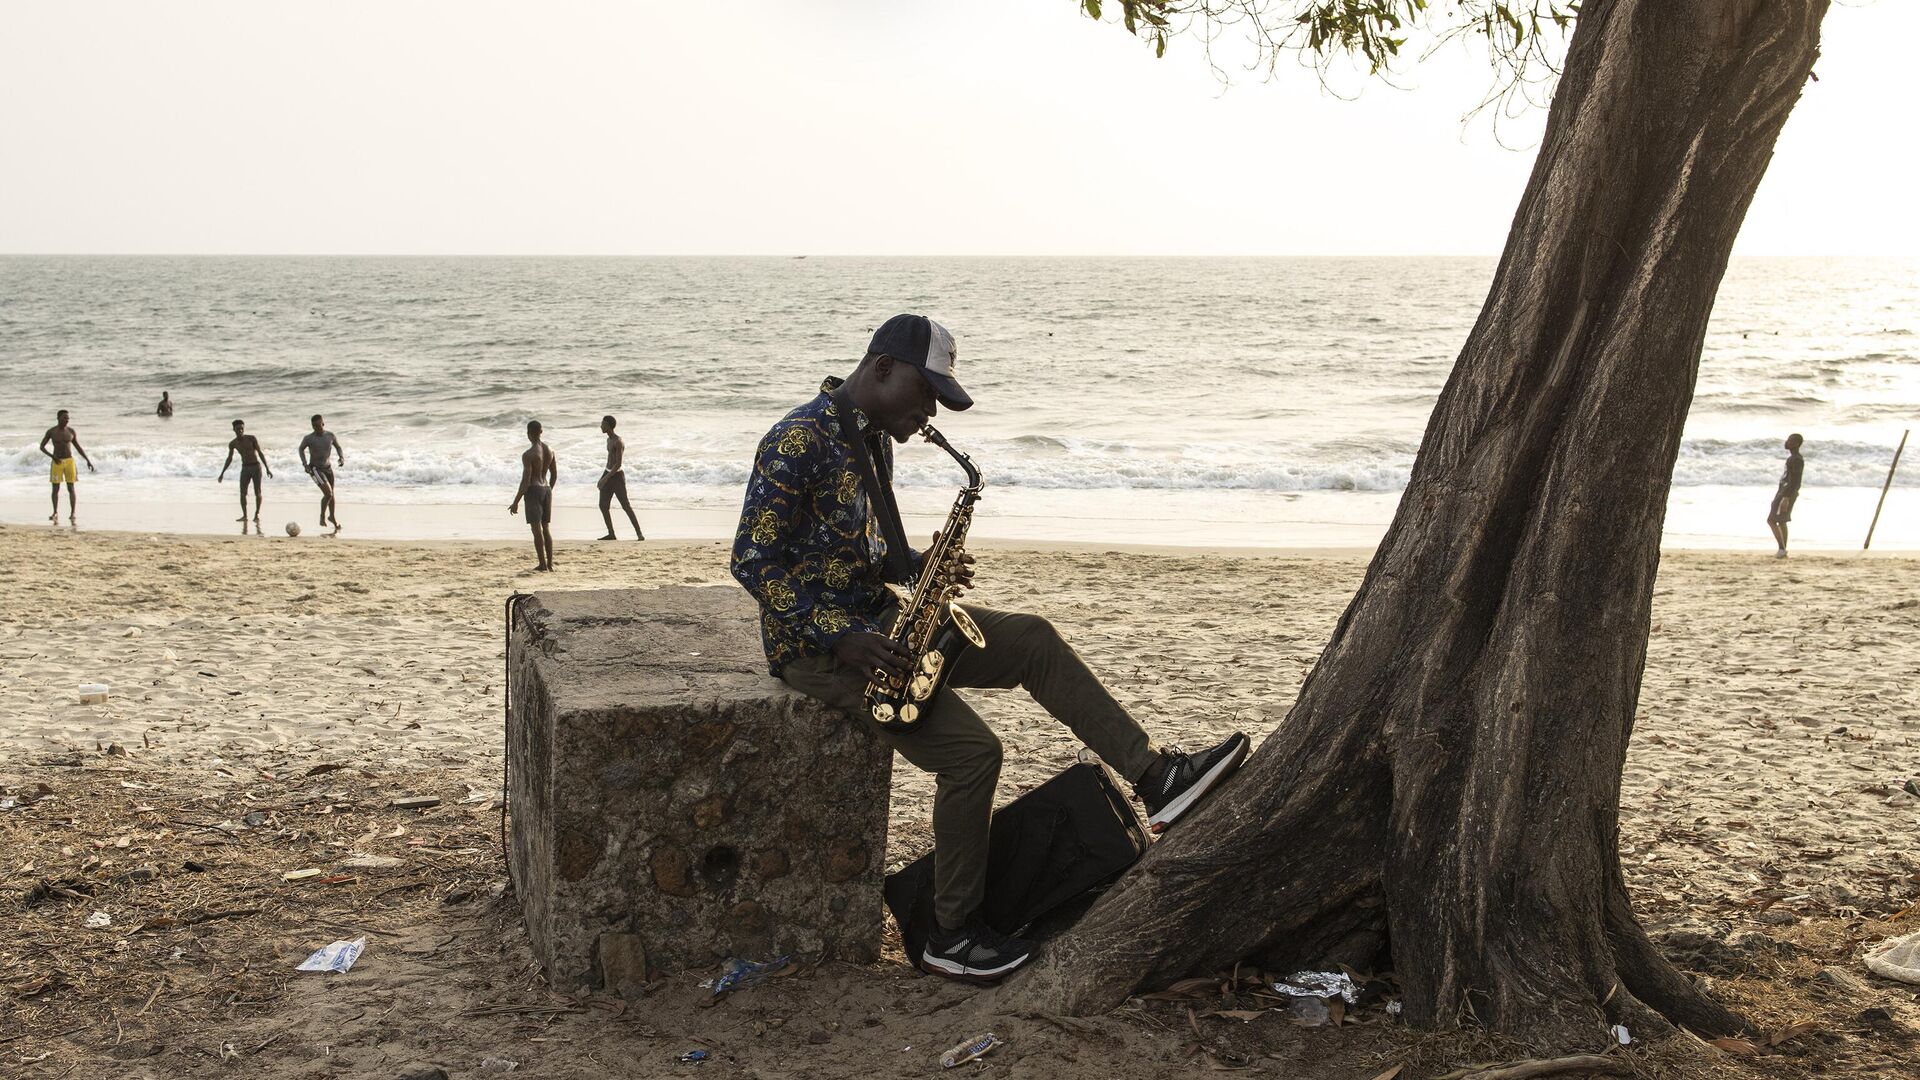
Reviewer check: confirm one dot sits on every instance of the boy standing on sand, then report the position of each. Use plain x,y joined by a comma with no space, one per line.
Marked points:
613,482
1781,511
252,460
538,473
810,548
314,451
65,441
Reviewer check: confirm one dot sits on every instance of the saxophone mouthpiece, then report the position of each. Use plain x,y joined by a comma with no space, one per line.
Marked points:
932,435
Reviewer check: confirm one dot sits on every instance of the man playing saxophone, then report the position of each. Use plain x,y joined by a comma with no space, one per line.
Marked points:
812,549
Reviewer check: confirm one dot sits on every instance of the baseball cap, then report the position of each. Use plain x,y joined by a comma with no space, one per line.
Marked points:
918,340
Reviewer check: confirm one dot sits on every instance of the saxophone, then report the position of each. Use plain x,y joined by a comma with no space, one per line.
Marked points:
930,626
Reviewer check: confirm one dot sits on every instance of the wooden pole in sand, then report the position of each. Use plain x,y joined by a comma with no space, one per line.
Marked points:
1884,487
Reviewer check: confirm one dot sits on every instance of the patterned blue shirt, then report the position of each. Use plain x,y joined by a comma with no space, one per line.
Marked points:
809,547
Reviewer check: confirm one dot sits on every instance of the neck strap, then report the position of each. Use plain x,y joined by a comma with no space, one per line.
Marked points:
879,487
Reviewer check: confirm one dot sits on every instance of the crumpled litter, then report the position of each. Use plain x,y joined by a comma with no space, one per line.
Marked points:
338,956
1897,958
1325,984
1310,1011
738,974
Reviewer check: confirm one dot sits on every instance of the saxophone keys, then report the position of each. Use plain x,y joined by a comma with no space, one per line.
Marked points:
909,713
883,712
922,688
932,662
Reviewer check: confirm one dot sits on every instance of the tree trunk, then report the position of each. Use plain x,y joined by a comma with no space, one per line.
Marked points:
1457,751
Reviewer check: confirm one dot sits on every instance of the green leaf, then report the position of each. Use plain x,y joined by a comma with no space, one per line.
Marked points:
1092,8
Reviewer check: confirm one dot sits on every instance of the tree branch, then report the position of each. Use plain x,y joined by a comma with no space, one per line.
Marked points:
1526,1070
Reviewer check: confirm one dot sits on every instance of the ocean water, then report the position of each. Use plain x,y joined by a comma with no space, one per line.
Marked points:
1230,401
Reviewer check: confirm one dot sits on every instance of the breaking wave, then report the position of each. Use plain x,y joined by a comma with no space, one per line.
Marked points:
1039,462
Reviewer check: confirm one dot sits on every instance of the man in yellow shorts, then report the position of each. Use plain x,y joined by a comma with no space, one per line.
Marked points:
65,441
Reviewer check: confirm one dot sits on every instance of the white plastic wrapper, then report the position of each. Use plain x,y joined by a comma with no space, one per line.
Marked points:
1897,958
338,956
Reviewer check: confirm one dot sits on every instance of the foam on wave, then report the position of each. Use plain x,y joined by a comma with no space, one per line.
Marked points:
1025,462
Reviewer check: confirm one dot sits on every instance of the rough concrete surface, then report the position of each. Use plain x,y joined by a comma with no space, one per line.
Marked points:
672,804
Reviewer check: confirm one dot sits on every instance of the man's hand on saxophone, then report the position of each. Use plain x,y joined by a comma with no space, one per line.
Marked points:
876,654
963,575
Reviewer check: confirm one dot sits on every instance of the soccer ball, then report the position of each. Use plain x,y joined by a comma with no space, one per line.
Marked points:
293,528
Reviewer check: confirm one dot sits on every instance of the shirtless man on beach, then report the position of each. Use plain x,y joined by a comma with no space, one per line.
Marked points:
252,460
613,482
164,410
314,451
1781,511
538,473
65,441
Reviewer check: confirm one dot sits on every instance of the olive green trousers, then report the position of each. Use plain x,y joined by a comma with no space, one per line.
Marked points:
956,745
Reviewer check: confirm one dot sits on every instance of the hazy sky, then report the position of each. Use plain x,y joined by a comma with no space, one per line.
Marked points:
823,127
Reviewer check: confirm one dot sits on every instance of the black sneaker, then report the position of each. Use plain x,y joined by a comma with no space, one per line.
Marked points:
1185,778
975,952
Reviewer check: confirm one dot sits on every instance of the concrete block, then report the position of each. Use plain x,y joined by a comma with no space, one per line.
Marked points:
671,803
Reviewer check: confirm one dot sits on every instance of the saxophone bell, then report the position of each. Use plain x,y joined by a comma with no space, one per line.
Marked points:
964,623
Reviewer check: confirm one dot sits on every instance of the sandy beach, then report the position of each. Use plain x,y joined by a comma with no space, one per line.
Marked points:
317,318
1771,784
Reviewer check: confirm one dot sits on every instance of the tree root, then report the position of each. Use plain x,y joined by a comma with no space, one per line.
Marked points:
1526,1070
1652,979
